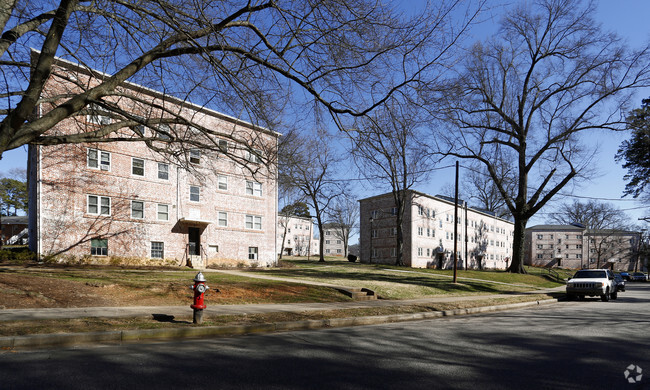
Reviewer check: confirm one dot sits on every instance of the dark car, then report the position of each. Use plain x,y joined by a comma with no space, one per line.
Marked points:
638,277
625,275
620,283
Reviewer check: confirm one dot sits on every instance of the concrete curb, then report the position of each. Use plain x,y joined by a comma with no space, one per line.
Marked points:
127,336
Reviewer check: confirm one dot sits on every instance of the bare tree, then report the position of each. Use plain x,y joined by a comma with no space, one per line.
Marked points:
244,58
344,219
388,152
482,191
309,164
527,95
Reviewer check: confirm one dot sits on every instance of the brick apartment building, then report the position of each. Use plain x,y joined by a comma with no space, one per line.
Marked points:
484,240
333,245
299,233
575,247
124,200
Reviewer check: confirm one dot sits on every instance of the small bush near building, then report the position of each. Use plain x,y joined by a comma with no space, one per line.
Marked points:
18,254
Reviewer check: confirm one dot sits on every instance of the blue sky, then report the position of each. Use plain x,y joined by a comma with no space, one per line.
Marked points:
626,17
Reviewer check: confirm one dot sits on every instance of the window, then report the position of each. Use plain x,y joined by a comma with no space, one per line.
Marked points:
578,256
339,251
164,132
374,214
157,249
393,211
327,251
96,116
339,241
579,236
253,222
327,233
99,205
222,182
223,218
551,236
428,232
163,212
428,252
327,242
539,256
195,193
419,251
137,166
393,252
99,159
566,236
137,209
163,171
420,230
373,233
98,247
420,212
254,156
393,232
440,223
374,252
252,253
195,156
253,188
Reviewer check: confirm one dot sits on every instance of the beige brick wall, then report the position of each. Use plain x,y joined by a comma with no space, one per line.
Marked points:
61,181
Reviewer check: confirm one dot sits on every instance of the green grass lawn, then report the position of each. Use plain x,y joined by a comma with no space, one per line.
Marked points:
394,282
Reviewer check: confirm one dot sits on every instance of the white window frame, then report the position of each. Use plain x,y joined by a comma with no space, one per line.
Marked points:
197,194
160,250
254,156
93,248
98,204
96,117
166,212
133,167
102,159
133,202
222,219
222,182
253,253
253,222
165,171
195,156
253,188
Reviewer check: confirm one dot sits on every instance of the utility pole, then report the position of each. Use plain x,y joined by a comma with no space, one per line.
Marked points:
456,225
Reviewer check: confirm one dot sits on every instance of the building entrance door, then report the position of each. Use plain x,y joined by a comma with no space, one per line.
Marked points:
194,239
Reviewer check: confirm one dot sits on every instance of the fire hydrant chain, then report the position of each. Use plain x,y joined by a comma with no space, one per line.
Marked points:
199,288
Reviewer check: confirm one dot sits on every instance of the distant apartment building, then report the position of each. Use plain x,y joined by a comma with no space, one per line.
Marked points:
575,247
483,240
125,200
333,245
296,236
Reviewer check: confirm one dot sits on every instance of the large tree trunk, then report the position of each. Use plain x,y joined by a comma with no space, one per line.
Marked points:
518,246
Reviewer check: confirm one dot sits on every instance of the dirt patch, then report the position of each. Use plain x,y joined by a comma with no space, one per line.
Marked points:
33,287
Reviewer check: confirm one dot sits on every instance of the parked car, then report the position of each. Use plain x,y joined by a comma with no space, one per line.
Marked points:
592,282
638,277
625,275
620,283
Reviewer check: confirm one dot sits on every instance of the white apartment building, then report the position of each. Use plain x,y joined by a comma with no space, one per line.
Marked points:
484,241
295,236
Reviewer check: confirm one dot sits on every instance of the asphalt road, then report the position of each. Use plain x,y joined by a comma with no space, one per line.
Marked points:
570,345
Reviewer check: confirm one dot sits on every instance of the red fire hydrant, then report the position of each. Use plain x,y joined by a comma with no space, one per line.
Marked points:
199,288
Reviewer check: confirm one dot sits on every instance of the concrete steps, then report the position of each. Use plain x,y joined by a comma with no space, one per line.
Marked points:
358,293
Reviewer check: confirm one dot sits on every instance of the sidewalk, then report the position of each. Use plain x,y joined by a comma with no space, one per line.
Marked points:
70,339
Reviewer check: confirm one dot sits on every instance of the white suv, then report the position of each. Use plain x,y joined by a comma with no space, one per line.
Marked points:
592,282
